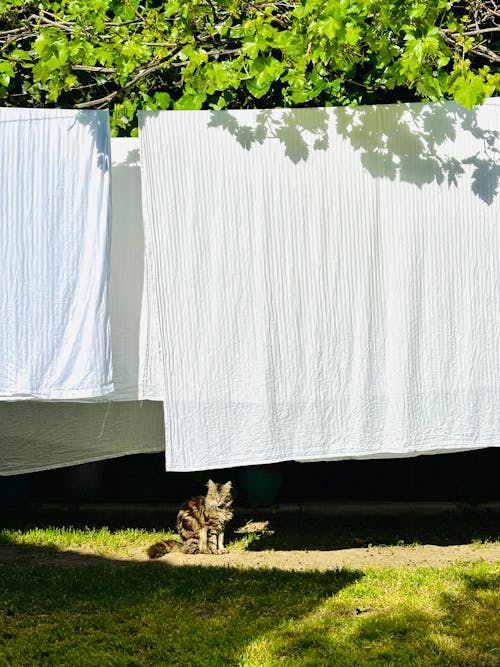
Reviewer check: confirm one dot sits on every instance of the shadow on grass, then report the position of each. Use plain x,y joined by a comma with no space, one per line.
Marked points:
312,531
148,613
461,630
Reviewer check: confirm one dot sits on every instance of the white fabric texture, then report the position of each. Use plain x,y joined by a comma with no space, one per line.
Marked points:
135,342
43,435
54,254
53,434
326,281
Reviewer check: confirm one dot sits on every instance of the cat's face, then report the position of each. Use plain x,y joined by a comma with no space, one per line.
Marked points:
219,494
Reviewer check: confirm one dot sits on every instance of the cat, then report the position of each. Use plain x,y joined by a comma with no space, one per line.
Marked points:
200,523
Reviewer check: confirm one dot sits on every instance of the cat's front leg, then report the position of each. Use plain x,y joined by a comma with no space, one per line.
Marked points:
203,541
220,544
216,543
212,542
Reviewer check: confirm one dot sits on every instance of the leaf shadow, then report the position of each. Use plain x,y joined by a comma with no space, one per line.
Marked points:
98,125
416,143
412,142
297,130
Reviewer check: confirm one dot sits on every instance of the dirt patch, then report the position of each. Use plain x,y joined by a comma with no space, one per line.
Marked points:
419,556
414,556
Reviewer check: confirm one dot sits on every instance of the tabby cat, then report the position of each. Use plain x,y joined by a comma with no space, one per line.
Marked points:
200,523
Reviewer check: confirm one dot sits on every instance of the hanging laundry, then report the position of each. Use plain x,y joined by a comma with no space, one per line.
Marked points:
54,254
326,281
135,342
43,435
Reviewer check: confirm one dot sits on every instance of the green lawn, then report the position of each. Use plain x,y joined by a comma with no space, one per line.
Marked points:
100,611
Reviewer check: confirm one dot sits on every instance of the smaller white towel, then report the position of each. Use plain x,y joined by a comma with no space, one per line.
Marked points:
54,254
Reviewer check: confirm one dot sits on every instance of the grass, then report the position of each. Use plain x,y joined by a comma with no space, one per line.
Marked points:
100,611
100,541
429,616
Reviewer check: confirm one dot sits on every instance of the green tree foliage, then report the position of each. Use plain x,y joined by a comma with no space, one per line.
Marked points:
127,55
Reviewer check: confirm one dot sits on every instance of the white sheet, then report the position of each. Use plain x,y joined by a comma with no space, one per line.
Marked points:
44,435
135,343
54,254
327,281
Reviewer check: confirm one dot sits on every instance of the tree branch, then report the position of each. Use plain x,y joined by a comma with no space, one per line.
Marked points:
93,68
471,33
488,53
104,101
62,25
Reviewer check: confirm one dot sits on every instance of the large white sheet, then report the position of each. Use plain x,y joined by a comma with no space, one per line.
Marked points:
326,281
54,254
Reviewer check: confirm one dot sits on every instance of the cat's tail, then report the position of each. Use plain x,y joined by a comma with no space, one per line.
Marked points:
161,548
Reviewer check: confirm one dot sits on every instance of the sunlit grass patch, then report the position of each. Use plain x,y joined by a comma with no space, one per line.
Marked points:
153,613
430,616
119,543
99,541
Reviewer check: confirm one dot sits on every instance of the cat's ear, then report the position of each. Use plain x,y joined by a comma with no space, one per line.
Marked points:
228,486
210,484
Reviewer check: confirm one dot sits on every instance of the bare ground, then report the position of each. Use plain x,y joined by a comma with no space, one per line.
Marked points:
413,556
420,556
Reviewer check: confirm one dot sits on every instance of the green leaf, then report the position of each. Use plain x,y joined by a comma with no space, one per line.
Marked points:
415,49
189,102
70,81
253,47
418,10
224,53
353,34
131,49
52,49
266,71
41,72
469,91
195,57
329,27
429,87
19,54
6,72
125,11
162,100
443,61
